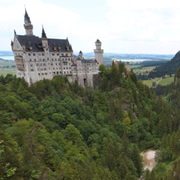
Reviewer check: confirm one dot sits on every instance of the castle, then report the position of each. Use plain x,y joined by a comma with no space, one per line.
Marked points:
43,58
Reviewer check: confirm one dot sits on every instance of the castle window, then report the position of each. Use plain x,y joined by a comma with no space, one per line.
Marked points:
45,69
50,73
53,54
44,64
43,59
66,67
51,64
30,60
39,74
69,68
70,71
60,72
42,54
56,68
32,70
42,73
29,54
52,59
53,68
56,64
45,73
34,59
31,65
34,54
57,54
59,63
41,64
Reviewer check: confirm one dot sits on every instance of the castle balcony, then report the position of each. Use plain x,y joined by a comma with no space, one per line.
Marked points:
19,63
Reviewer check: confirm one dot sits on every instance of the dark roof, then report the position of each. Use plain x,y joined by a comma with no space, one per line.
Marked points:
80,51
88,61
98,41
43,33
77,58
26,17
36,43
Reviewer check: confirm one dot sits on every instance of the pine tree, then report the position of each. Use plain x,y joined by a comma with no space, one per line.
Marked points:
137,159
125,144
48,157
123,169
153,175
129,177
147,175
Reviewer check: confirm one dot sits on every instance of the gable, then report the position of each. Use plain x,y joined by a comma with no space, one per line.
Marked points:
16,45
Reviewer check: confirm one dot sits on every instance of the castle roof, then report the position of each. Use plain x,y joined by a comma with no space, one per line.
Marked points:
88,61
36,43
98,41
26,17
43,33
77,58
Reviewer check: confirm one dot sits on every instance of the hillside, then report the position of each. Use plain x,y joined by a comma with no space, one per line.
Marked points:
58,130
168,68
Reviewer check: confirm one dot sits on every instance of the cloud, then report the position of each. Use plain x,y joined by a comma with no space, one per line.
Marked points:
128,26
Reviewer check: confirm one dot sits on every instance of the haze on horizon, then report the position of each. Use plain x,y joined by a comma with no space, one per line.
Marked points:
148,27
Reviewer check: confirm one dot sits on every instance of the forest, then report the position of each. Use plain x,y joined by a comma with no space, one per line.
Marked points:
167,68
54,130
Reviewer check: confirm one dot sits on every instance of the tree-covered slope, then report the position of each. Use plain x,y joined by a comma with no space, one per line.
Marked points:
58,130
168,68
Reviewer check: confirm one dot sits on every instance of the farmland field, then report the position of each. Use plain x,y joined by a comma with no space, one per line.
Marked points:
144,69
167,80
162,82
7,63
4,72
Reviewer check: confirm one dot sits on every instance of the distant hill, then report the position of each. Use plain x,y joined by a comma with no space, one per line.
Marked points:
168,68
108,56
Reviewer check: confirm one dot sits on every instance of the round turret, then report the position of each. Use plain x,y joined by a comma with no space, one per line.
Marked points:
98,52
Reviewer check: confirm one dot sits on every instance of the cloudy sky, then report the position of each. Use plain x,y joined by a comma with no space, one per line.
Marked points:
123,26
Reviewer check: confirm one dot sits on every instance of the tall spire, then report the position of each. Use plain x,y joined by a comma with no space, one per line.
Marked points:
26,17
43,33
27,24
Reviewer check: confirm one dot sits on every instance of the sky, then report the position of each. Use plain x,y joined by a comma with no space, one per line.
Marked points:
123,26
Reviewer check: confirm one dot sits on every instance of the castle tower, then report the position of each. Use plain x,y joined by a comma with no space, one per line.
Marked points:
98,52
80,55
27,25
44,39
127,66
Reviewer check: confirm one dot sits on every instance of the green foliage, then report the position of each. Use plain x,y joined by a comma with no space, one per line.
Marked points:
58,130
